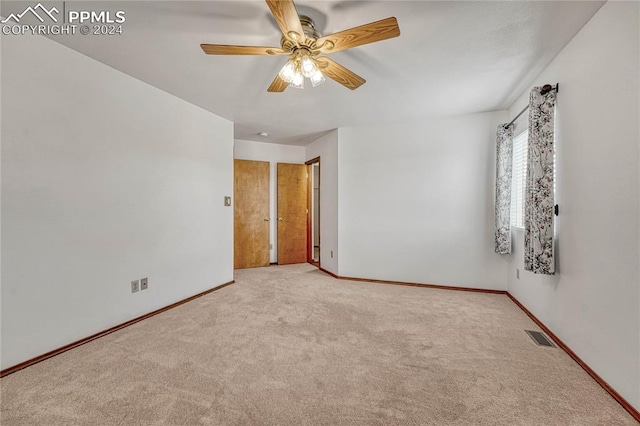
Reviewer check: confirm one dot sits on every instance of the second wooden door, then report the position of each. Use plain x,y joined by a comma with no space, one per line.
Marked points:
292,213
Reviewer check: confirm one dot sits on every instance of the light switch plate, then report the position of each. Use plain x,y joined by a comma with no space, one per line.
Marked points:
144,283
227,201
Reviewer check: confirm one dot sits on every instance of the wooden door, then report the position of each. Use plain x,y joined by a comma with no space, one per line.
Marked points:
251,214
292,213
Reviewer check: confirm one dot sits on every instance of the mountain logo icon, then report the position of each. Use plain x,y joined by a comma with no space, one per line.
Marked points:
34,11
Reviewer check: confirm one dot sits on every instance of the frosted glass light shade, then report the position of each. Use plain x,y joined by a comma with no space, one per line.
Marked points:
297,81
308,67
317,78
288,72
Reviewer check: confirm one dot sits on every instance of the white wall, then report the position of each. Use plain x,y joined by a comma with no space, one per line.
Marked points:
326,148
274,154
593,301
416,202
105,179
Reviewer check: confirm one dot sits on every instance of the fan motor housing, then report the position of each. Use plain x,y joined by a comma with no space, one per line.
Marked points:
310,32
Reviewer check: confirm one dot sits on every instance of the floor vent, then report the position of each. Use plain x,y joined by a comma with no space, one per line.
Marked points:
540,338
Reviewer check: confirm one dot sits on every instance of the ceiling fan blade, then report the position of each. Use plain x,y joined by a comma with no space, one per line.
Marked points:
364,34
287,18
337,72
278,85
223,49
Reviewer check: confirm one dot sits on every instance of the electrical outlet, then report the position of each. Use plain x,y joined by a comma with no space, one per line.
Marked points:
135,286
227,201
518,273
144,284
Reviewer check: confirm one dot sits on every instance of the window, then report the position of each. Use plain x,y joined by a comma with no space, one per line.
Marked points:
519,178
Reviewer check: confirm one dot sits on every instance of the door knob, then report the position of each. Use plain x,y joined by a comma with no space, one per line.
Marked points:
266,219
280,219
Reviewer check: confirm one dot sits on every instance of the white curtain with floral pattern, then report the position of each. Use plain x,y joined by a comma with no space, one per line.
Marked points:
504,160
539,224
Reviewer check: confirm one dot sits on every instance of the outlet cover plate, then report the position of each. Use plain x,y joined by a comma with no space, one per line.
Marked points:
144,283
135,286
227,201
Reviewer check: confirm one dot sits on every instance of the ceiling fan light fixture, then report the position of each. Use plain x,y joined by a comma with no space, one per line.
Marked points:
301,65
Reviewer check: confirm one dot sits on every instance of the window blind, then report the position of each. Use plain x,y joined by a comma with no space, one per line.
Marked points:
519,176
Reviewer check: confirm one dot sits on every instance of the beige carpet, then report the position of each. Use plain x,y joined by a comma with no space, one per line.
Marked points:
289,345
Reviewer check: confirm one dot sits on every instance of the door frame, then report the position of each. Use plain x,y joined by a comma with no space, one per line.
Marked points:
310,188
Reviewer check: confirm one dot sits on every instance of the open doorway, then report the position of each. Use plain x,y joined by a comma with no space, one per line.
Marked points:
313,205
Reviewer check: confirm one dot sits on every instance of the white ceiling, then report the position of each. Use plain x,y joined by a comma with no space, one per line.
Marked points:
451,58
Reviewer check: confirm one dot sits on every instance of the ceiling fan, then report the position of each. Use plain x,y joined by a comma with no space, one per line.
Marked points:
304,45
